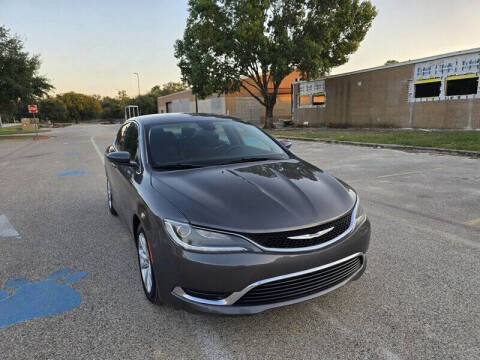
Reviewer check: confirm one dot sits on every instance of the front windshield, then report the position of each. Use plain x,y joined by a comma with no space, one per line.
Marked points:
200,143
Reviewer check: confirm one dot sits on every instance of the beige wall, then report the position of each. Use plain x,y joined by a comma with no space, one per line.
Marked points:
379,98
243,107
239,104
175,98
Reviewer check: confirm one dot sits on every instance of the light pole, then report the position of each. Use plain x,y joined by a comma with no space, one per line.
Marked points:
138,82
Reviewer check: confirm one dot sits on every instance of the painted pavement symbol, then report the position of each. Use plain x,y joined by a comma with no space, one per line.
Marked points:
28,300
71,173
6,229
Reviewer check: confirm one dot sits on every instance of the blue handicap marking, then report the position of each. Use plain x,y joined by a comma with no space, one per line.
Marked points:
29,300
71,173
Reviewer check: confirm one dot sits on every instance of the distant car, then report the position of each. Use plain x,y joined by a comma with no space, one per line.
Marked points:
226,219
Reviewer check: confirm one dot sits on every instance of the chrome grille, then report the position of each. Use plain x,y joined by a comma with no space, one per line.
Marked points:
302,285
280,240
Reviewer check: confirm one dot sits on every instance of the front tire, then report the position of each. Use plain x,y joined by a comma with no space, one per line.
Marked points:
110,199
145,264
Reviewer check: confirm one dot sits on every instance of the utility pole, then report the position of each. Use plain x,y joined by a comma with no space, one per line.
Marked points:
138,82
196,104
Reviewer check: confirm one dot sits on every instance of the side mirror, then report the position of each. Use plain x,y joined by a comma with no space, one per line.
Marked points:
286,143
119,157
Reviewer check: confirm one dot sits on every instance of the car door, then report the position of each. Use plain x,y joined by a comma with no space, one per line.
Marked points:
112,169
128,173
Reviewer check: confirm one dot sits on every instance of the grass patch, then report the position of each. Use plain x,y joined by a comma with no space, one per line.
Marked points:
17,129
458,140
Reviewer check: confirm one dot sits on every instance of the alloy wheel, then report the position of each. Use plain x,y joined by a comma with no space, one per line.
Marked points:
109,193
145,264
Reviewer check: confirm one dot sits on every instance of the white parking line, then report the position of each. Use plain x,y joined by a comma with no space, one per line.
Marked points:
6,229
473,222
100,155
399,174
347,332
387,354
210,341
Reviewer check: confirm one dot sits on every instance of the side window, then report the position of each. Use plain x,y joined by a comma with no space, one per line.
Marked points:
131,141
120,141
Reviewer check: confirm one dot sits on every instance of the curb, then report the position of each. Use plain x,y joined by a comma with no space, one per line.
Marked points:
25,135
471,153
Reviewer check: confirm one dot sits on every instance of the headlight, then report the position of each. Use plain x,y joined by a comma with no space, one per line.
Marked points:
360,215
195,239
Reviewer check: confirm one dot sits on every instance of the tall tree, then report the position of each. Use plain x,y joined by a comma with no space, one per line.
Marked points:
20,82
81,106
123,99
147,103
262,41
111,108
168,88
53,109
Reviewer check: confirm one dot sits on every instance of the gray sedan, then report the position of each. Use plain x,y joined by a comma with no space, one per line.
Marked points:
226,219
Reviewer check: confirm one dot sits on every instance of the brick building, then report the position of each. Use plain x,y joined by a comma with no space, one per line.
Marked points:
436,92
239,104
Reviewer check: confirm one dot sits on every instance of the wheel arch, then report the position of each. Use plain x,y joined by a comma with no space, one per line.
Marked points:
135,224
140,218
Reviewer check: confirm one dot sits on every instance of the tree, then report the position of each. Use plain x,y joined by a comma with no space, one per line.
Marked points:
111,108
146,103
19,79
81,106
262,41
123,100
390,62
168,88
53,109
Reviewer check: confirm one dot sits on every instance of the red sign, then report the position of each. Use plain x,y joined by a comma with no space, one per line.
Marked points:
32,109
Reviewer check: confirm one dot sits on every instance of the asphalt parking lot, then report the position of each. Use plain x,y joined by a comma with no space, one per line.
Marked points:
419,298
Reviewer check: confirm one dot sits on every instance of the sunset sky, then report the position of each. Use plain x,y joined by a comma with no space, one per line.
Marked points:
94,47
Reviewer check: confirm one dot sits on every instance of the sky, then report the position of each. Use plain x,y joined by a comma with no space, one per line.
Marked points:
94,47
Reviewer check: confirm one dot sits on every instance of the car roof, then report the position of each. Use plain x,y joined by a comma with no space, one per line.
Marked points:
154,119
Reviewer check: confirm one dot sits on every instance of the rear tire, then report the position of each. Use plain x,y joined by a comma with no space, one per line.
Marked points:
145,264
110,199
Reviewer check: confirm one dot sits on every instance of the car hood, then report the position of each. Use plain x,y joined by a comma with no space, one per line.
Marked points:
260,197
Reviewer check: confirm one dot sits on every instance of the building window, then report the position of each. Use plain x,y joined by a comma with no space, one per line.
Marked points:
427,89
312,93
305,100
452,78
318,99
462,86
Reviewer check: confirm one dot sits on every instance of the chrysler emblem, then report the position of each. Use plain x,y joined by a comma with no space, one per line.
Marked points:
311,236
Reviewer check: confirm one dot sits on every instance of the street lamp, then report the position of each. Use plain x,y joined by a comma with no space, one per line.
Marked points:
138,82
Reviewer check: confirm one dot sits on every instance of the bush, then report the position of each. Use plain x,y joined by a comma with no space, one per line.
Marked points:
52,109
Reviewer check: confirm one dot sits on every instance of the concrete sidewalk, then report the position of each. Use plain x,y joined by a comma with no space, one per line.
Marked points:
470,153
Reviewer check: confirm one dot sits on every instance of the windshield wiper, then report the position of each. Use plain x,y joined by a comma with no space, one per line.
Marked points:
246,159
177,166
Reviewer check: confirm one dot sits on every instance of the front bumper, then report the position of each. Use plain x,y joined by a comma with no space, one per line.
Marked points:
236,274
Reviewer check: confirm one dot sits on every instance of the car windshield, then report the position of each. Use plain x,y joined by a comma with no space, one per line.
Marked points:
202,143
